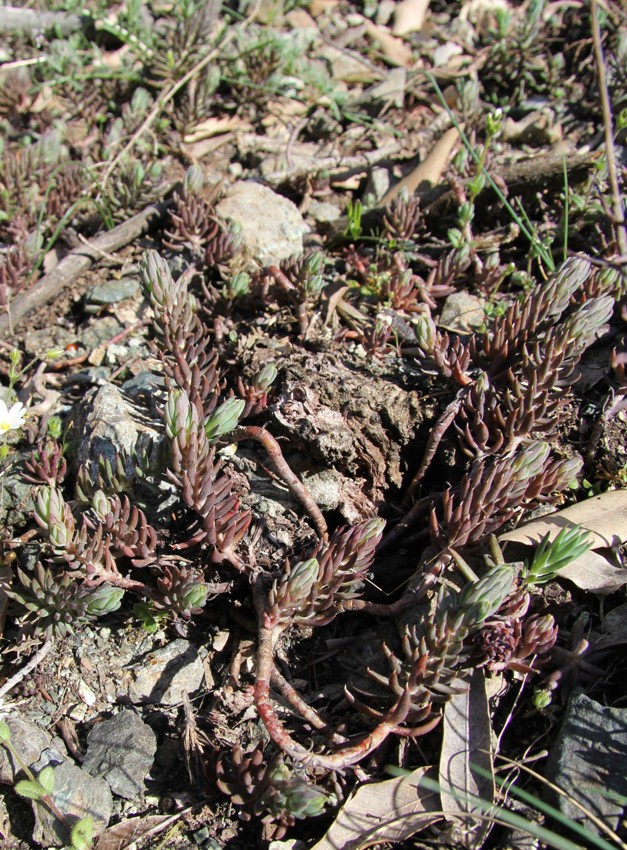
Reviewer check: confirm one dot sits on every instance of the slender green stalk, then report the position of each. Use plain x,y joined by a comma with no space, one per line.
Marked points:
533,239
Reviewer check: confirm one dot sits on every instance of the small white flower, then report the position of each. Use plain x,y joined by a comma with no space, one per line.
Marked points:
11,417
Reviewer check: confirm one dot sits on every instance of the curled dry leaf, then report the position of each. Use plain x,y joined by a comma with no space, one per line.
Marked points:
605,517
383,811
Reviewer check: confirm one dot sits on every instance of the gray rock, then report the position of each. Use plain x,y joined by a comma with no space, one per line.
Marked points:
161,676
111,292
377,185
106,424
30,742
463,312
100,331
17,501
390,91
324,212
145,383
77,795
121,750
270,227
588,758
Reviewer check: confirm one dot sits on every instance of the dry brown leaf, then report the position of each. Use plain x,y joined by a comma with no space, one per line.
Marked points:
6,579
212,127
613,628
605,517
466,743
199,150
383,811
409,16
393,49
122,835
429,172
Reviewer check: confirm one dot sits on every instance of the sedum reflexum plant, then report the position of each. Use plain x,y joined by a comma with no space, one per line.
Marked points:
99,546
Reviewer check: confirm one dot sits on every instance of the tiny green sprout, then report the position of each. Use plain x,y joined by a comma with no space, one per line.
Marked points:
621,119
15,373
195,596
476,185
37,789
194,180
238,287
456,238
551,557
264,379
354,212
151,620
82,836
54,353
46,779
30,790
5,732
104,600
55,427
465,213
542,698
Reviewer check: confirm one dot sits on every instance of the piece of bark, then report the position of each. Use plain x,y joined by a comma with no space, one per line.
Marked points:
76,262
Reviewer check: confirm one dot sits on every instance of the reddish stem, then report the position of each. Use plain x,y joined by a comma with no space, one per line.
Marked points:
254,432
435,438
304,709
343,758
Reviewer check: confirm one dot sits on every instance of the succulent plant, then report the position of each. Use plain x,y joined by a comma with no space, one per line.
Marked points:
46,465
57,604
434,652
269,789
313,592
180,590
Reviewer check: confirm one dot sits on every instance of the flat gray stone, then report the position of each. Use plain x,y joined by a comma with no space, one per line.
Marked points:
588,758
463,312
161,676
324,212
77,795
121,750
112,291
30,743
269,227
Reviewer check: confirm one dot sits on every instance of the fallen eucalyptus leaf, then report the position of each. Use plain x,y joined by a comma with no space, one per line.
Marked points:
466,745
383,811
122,835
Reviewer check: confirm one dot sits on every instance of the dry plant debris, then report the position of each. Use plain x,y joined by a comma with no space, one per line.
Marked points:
302,305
